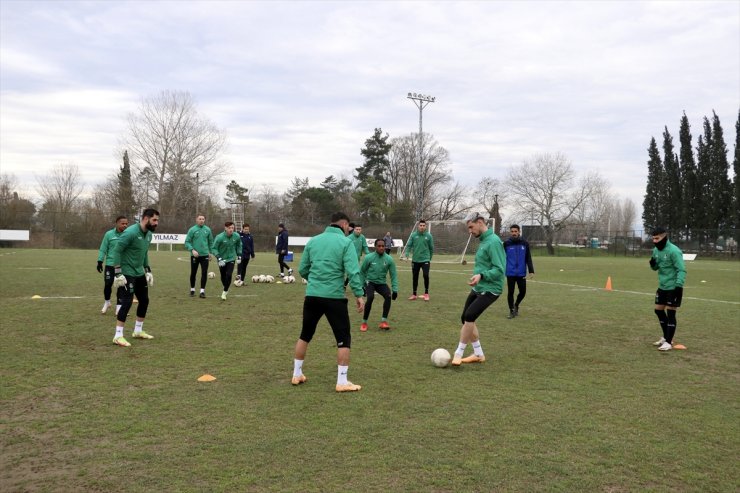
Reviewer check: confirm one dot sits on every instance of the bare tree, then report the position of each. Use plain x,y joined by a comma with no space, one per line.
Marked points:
546,188
180,149
61,188
629,214
450,202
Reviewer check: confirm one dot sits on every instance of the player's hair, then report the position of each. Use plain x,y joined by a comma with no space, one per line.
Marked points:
339,216
377,240
200,214
120,217
149,213
422,221
245,225
358,225
228,223
515,226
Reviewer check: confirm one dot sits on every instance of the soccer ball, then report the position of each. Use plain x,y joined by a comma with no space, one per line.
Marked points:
263,278
441,357
238,282
211,275
289,279
269,279
255,278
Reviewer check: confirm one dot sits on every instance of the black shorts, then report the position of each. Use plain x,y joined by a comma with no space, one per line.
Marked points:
668,297
315,307
475,304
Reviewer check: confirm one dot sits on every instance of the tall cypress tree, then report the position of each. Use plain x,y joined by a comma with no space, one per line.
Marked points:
124,198
672,186
689,193
736,168
722,194
652,205
703,179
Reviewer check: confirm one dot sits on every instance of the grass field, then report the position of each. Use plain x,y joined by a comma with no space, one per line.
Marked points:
572,397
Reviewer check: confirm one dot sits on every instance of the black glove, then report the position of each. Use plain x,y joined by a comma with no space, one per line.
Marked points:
100,266
394,295
653,263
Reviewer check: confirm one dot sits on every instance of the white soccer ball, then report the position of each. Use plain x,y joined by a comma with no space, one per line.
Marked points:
289,279
238,282
255,278
441,357
263,278
211,275
304,281
269,279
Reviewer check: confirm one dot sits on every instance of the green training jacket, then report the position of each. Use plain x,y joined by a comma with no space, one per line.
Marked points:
199,238
110,240
227,248
360,244
376,267
670,266
490,263
422,246
132,251
327,258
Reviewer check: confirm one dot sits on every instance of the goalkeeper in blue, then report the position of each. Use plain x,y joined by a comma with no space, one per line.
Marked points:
374,271
133,274
105,254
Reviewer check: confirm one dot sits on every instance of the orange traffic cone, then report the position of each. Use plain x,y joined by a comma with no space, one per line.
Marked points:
608,286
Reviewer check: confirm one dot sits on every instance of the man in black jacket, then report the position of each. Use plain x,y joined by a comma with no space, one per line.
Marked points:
247,251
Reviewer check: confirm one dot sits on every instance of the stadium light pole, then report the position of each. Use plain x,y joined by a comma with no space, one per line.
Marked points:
421,101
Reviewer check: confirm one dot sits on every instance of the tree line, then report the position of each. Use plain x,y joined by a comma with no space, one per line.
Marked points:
689,192
172,158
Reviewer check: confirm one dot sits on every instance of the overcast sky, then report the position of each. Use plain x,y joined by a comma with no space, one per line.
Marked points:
299,86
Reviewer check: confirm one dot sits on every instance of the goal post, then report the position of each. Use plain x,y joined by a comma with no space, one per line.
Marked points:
451,241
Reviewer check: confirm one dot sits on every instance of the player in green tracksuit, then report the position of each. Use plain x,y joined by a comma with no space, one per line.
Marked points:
421,246
359,242
227,247
110,240
325,262
199,242
133,274
375,269
488,284
667,259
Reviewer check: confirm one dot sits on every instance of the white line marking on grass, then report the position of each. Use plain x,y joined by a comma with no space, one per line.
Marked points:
61,298
587,288
34,268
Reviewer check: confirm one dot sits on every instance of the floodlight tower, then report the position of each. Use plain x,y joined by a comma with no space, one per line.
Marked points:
421,101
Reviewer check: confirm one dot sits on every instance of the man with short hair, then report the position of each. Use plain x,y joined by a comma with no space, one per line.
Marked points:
667,259
326,260
247,251
487,282
375,269
227,247
360,244
281,248
110,240
421,246
133,274
388,240
518,261
199,241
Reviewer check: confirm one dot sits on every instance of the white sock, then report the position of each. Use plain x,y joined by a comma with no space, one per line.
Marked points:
138,326
202,290
342,374
119,331
192,290
477,349
107,303
297,367
461,348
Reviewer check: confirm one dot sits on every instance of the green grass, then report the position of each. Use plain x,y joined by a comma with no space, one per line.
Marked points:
572,397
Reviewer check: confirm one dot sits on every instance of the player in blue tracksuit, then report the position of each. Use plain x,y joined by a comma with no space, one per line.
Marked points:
281,248
247,250
518,261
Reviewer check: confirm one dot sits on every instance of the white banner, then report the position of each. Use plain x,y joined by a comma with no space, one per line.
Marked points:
169,238
14,234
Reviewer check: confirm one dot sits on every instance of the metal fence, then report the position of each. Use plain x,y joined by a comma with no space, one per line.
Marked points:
56,230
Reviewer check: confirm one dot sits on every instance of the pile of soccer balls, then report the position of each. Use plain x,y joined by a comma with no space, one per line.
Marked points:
263,278
289,279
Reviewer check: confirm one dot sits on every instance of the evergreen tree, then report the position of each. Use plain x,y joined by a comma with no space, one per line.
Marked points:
652,208
721,194
237,194
376,163
672,185
703,175
736,168
689,194
123,201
